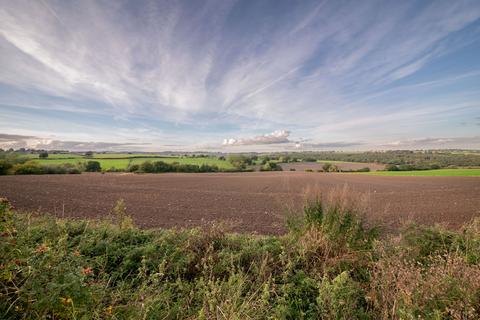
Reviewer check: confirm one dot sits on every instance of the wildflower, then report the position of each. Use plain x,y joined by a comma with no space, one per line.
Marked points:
87,271
18,261
109,310
41,249
76,253
66,300
4,234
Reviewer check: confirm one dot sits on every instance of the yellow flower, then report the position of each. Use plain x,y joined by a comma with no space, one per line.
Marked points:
109,310
66,300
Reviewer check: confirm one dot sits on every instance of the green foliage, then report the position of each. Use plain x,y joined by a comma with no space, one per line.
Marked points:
341,298
331,266
5,166
93,166
29,167
161,167
420,158
43,155
271,166
411,167
239,162
328,167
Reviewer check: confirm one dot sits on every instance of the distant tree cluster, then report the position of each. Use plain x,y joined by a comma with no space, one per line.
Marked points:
271,166
418,160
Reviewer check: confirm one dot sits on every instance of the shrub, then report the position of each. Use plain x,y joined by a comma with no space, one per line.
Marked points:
93,166
133,168
30,167
391,167
43,155
328,167
5,166
271,166
341,298
147,167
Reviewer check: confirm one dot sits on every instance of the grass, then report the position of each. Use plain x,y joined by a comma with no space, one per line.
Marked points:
123,163
53,156
336,161
431,173
126,155
330,265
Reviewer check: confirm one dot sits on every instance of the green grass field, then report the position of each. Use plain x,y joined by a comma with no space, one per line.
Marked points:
335,161
127,155
123,163
430,173
53,156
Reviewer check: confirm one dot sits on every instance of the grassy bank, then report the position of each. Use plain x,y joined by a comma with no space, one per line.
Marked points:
330,265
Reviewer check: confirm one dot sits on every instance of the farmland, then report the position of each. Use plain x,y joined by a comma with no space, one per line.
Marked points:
255,202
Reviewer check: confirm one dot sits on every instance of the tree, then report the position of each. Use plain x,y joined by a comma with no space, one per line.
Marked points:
326,167
43,155
93,166
89,154
238,161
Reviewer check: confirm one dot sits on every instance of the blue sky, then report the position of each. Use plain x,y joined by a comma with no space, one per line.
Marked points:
240,75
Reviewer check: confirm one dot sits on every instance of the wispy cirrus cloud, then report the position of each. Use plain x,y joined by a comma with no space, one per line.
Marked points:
323,70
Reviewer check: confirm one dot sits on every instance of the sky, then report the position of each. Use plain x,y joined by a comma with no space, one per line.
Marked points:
246,75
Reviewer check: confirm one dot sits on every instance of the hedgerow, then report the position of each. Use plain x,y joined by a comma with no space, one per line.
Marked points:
331,264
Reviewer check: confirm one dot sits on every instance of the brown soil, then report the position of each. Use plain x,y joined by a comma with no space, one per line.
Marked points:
255,202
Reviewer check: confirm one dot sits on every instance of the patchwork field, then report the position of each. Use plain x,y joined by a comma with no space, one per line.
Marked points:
254,202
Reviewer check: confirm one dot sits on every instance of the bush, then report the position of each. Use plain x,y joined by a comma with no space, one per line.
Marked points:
341,298
5,166
30,167
133,168
93,166
43,155
271,166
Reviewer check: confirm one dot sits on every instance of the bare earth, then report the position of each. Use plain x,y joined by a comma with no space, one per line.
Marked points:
256,201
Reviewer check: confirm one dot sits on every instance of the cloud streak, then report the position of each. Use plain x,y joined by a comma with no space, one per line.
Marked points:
239,67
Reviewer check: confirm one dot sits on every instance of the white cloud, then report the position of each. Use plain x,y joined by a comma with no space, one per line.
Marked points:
276,137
